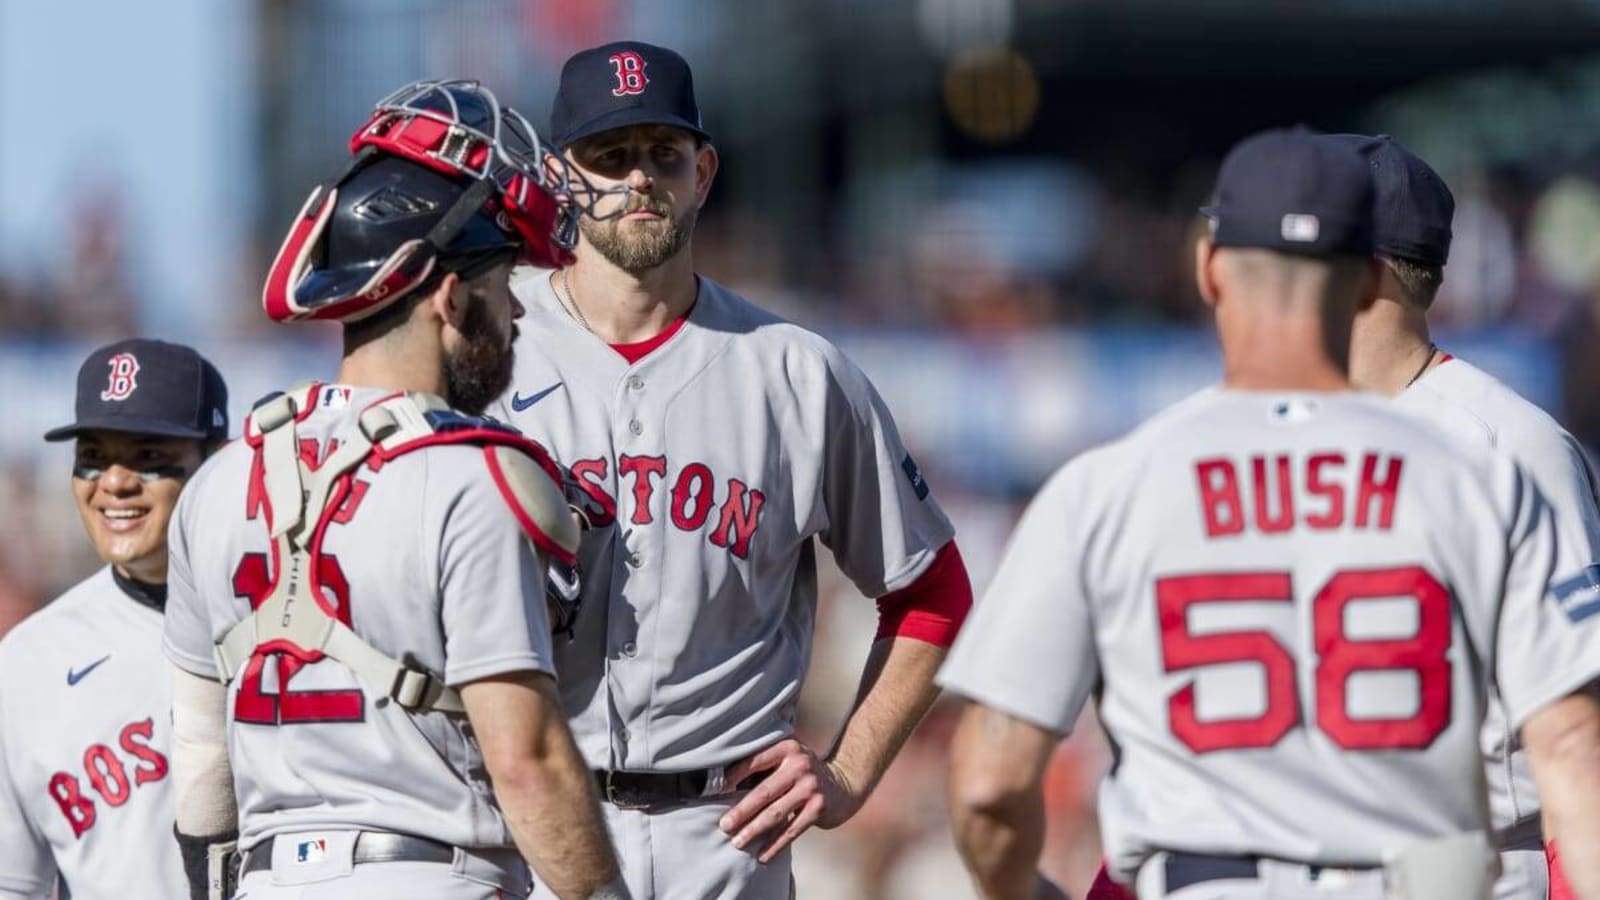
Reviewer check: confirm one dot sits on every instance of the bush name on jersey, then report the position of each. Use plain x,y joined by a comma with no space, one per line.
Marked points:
1285,492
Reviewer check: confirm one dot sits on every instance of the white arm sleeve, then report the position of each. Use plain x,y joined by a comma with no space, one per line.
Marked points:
202,780
1549,633
1028,649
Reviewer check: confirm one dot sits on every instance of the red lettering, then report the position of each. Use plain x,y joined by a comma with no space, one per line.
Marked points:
739,518
1425,653
252,704
317,706
695,483
591,475
78,809
313,454
121,384
352,502
256,497
1380,490
630,73
107,775
1265,520
1332,491
1181,650
641,469
1219,497
154,766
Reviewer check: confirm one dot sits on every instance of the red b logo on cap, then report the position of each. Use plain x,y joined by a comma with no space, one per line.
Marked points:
124,366
630,74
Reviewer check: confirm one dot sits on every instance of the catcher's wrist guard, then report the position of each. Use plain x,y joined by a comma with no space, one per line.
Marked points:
211,864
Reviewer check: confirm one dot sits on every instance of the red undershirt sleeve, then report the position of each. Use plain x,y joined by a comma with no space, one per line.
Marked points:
932,608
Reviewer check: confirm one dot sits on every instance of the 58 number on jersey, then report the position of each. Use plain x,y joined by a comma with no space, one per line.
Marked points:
1338,657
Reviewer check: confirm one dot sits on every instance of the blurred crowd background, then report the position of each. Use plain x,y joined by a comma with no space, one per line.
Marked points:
989,203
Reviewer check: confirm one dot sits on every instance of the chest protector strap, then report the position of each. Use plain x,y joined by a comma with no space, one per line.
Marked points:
296,618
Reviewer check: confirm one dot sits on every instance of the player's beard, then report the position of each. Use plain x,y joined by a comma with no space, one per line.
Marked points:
645,245
479,368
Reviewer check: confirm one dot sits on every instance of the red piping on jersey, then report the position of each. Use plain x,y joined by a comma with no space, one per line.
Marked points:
932,608
640,349
530,527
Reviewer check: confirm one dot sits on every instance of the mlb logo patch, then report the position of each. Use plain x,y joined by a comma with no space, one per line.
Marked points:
312,851
1302,228
334,397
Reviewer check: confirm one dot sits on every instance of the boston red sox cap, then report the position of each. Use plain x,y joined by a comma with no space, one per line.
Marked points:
620,84
149,387
1414,205
1292,191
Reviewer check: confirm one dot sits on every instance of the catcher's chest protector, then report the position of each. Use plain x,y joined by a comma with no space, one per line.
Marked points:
300,500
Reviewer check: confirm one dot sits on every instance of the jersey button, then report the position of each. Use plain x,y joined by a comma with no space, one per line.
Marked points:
636,427
629,648
635,382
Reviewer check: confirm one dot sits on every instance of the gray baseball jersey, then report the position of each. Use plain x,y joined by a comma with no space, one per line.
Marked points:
1294,604
84,732
424,556
710,467
1467,401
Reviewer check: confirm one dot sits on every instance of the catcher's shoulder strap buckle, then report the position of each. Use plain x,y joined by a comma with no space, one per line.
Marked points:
274,413
415,687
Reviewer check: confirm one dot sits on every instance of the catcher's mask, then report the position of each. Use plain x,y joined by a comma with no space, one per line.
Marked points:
445,179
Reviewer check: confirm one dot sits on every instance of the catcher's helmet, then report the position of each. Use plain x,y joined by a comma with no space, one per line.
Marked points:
444,180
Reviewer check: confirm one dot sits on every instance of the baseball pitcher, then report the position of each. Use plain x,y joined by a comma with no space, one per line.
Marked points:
1391,353
714,446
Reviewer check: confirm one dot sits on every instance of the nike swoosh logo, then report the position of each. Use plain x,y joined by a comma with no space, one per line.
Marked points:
521,403
75,677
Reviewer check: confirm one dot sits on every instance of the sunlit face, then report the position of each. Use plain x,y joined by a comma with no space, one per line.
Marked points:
666,175
126,486
478,361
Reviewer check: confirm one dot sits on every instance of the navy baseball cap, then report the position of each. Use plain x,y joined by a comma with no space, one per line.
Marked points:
149,387
621,84
1291,191
1414,205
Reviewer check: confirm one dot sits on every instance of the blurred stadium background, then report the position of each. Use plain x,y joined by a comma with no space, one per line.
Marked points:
989,203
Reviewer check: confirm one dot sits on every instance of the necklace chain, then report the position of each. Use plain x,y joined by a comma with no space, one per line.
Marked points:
1433,350
571,303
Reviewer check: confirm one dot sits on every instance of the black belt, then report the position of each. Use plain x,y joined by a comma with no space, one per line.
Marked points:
1524,834
639,790
1189,869
371,847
